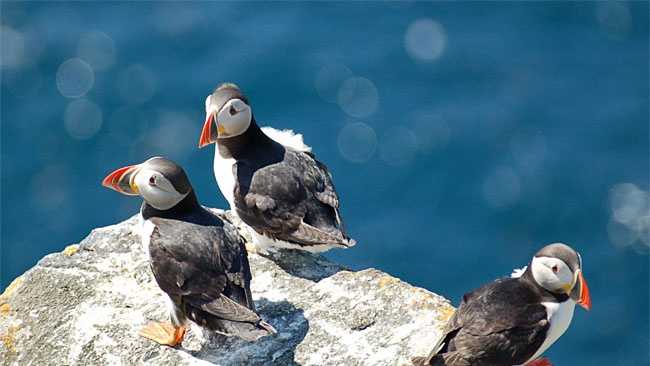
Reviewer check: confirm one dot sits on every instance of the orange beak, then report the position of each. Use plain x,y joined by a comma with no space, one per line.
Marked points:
121,180
208,133
585,298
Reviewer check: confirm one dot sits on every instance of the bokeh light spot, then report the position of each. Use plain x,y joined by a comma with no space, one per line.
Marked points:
137,84
358,97
642,227
82,119
630,216
398,146
329,80
502,187
12,47
74,78
425,40
628,203
620,235
614,17
98,49
357,142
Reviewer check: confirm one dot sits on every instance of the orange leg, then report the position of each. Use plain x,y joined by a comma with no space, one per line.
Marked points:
163,333
540,362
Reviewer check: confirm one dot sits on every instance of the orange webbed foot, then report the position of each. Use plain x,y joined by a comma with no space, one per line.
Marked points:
163,333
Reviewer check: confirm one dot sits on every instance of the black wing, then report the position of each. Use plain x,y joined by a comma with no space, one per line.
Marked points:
205,266
292,200
237,267
501,323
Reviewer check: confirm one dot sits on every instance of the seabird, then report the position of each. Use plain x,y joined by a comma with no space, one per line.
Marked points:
272,181
513,321
197,259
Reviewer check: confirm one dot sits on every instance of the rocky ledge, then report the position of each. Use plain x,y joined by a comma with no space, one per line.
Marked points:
85,305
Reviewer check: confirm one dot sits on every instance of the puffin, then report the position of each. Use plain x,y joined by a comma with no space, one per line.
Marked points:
271,179
514,320
198,260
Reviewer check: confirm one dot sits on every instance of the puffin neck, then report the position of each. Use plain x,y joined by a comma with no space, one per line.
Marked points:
546,294
237,146
186,205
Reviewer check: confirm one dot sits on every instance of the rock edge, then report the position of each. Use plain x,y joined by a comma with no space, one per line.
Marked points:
84,306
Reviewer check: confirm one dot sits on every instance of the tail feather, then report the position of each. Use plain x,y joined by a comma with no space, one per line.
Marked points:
249,327
420,361
246,331
268,327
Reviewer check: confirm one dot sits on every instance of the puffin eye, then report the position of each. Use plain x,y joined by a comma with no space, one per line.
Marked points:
152,180
554,269
232,111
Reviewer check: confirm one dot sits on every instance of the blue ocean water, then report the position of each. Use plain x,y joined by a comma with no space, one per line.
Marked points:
462,136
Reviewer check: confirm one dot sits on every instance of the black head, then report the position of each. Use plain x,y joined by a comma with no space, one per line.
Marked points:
564,253
225,92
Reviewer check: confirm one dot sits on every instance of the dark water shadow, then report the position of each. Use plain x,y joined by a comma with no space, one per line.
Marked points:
278,349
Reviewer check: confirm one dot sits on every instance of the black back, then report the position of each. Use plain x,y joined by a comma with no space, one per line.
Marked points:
501,323
200,261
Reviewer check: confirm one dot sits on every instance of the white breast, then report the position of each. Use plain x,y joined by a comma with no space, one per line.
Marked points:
145,235
225,178
560,316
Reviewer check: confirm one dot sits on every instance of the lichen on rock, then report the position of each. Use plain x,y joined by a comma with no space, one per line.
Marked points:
84,306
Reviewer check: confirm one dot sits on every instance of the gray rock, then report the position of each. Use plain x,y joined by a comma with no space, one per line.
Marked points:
84,306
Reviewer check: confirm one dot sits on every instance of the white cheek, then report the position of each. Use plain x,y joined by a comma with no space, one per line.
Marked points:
155,196
142,182
237,124
245,118
565,276
543,274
